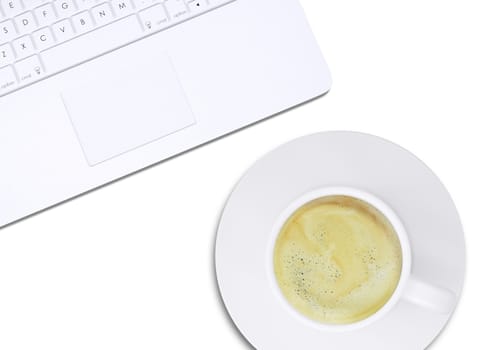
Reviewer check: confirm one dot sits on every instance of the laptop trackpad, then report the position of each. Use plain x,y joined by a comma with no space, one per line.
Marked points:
121,103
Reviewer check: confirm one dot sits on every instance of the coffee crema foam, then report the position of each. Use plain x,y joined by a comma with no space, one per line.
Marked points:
337,260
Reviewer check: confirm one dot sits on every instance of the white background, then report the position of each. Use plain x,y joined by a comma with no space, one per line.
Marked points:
131,266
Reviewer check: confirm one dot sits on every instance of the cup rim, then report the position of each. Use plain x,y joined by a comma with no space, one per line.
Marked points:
372,200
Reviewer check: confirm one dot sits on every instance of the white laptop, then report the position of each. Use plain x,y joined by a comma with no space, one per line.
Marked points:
93,90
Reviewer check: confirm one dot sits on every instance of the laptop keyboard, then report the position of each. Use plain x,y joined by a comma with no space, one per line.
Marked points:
39,38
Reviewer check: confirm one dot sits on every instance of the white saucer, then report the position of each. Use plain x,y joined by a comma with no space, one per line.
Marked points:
329,159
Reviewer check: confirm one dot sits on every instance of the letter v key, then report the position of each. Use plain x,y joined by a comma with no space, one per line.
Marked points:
63,30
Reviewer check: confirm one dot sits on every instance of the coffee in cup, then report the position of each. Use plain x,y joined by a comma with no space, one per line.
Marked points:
337,260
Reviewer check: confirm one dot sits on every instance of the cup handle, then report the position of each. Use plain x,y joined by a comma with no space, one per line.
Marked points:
437,299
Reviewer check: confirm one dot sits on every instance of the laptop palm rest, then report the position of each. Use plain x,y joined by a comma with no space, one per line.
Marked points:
116,107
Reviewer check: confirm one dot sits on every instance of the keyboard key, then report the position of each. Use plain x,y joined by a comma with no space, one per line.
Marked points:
154,18
8,80
86,4
122,8
176,8
43,38
31,4
64,8
11,8
141,4
45,15
6,55
196,6
83,22
23,47
7,31
29,70
92,44
25,23
102,14
63,30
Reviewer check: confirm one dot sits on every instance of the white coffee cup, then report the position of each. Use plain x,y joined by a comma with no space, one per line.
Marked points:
409,288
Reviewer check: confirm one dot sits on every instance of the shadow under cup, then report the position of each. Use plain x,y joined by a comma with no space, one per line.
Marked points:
340,259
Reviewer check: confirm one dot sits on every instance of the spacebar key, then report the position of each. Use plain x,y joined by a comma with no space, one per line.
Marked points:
92,44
